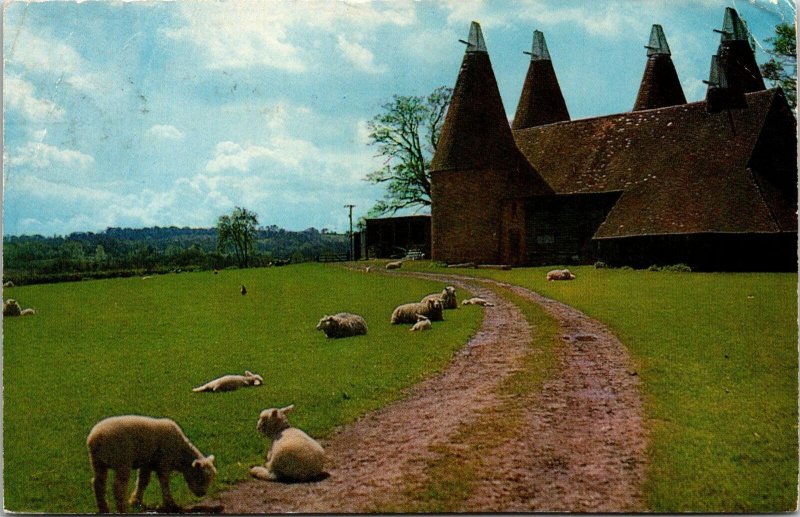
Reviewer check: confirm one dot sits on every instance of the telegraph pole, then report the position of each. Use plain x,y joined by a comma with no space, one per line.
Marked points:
352,241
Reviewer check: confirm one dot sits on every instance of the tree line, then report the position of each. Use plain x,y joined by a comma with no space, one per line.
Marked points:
134,251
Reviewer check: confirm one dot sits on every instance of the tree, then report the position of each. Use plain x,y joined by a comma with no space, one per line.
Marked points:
407,133
781,69
237,231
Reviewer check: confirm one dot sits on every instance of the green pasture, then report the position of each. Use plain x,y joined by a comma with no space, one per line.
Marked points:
109,347
718,357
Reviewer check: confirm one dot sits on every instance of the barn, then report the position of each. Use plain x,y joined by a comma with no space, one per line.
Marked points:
712,184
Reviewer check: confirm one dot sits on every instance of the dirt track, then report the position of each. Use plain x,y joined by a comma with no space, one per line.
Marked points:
580,448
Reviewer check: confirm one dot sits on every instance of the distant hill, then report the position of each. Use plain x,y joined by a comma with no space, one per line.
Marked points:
129,251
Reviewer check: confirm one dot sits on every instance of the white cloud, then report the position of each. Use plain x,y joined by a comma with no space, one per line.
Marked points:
240,34
166,132
42,156
41,53
359,56
19,95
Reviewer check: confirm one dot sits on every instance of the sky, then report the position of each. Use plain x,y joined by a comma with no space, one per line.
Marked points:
149,113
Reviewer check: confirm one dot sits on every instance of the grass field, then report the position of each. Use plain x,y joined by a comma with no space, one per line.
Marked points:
717,354
107,347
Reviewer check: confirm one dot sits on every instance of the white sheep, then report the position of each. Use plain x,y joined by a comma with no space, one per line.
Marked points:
11,308
447,297
343,324
477,301
394,265
8,284
123,443
560,274
367,269
407,313
27,312
231,382
293,455
422,323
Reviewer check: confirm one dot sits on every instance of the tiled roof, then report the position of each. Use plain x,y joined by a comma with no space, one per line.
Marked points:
680,168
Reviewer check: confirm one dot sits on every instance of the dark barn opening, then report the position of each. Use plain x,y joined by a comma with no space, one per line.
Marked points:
395,237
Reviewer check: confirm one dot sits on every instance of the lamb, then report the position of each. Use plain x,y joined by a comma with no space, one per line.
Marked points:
343,324
407,313
447,297
149,444
231,382
293,455
394,265
560,274
11,308
27,312
477,301
422,323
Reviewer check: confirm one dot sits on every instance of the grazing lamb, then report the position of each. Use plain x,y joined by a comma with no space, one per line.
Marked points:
11,308
231,382
447,297
560,274
123,443
27,312
407,313
477,301
394,265
293,455
343,324
422,323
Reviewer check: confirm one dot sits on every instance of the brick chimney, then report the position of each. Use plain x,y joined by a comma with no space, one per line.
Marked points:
660,86
541,101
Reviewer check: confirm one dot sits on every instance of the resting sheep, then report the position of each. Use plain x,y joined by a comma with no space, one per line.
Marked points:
560,274
293,455
27,312
422,323
11,308
394,265
123,443
8,284
343,324
231,382
447,297
407,313
478,301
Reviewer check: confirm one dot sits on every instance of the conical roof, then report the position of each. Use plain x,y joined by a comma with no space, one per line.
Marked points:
721,94
660,86
736,51
541,101
476,134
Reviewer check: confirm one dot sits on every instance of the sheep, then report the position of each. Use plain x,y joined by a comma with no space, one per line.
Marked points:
293,455
231,382
367,269
8,284
11,308
560,274
27,312
477,301
422,323
447,296
243,290
394,265
343,324
127,442
407,313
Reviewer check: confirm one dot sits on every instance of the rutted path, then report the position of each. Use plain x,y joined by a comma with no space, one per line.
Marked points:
581,447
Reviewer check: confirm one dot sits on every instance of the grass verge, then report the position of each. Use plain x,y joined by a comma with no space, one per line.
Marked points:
119,346
718,357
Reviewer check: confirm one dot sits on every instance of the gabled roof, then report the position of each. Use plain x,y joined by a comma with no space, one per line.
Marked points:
680,168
